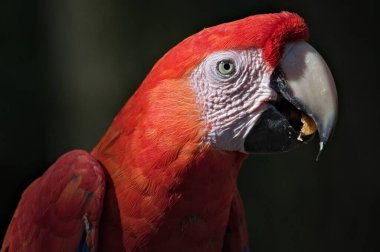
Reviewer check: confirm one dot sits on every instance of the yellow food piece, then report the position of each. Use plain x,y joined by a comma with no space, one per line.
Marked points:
309,126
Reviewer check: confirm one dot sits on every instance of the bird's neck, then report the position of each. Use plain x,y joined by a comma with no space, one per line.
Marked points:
165,185
172,201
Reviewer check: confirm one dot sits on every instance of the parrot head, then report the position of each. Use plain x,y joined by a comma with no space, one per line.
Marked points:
250,86
257,85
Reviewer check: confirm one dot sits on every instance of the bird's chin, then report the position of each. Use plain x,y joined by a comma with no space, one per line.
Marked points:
306,103
280,128
283,125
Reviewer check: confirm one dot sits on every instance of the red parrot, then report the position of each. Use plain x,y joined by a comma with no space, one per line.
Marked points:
163,177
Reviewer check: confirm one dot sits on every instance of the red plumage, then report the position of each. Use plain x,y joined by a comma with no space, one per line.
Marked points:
166,188
50,215
269,32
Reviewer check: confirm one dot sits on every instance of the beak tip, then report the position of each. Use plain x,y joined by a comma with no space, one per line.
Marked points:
321,145
312,84
324,137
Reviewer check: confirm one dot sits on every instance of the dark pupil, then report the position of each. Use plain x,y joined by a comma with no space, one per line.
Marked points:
226,66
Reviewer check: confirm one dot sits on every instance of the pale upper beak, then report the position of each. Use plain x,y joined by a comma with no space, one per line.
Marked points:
307,101
311,86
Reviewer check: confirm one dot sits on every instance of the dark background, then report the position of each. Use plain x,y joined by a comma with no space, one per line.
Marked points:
67,67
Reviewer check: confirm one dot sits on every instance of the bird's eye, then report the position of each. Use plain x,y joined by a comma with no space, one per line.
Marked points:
226,67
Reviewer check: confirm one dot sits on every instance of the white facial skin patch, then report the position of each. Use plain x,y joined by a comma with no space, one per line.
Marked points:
232,89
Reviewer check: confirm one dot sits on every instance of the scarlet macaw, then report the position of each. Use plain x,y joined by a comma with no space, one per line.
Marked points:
163,177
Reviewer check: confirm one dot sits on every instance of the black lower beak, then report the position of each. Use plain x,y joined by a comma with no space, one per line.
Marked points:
279,126
306,102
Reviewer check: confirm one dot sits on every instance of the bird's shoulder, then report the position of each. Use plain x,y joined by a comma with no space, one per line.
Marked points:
61,209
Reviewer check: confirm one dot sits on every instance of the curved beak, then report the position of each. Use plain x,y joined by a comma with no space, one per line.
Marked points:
311,87
307,101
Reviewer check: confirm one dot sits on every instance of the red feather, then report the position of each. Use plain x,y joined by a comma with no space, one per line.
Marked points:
167,189
270,32
51,212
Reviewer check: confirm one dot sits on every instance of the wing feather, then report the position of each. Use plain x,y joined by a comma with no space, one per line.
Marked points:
60,207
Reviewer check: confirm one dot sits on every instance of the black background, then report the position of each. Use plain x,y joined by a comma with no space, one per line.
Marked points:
67,67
